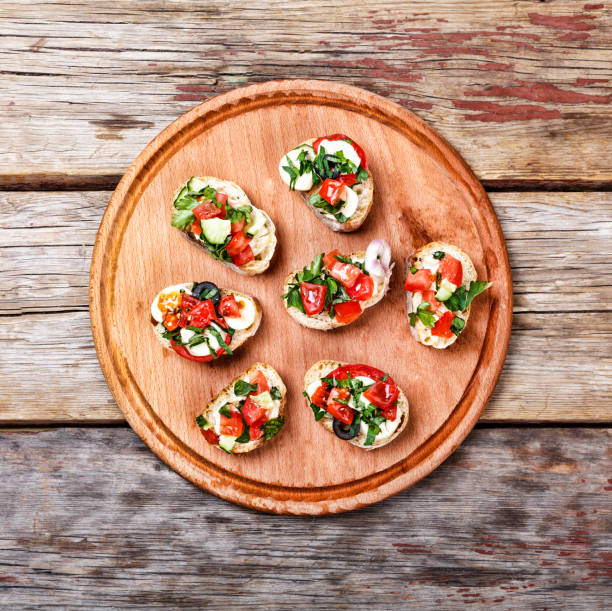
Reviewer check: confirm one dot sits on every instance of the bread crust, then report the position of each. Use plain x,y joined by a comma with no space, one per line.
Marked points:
469,275
236,194
223,397
322,368
322,321
240,335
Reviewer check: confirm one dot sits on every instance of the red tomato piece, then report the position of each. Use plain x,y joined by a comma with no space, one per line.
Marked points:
232,426
196,228
182,351
207,210
362,289
188,302
442,327
313,297
201,314
210,436
345,273
237,244
451,269
171,321
329,259
254,433
258,377
341,373
332,191
243,257
337,409
348,179
239,226
253,413
358,149
221,197
382,394
319,396
430,297
348,311
419,281
228,306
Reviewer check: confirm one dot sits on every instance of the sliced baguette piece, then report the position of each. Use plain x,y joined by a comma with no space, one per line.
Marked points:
321,369
420,332
211,412
322,321
240,335
365,193
264,241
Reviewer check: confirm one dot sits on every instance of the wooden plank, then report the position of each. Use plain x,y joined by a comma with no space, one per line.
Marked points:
92,518
523,90
558,243
558,369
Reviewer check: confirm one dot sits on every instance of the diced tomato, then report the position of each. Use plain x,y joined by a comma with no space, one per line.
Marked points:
187,304
362,289
347,312
330,260
358,149
201,315
419,281
451,269
228,306
196,228
348,179
258,377
382,394
332,190
171,321
313,297
254,433
345,273
221,197
341,373
237,244
337,409
236,227
210,436
243,257
319,396
207,210
430,297
442,327
232,426
253,413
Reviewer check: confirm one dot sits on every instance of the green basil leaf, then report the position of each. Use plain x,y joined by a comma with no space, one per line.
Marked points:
413,269
439,254
272,427
457,325
275,393
294,300
242,388
201,421
373,430
182,219
225,411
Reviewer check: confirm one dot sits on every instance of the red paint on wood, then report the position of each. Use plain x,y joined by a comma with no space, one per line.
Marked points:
589,81
574,36
495,66
542,92
574,22
592,7
415,104
498,113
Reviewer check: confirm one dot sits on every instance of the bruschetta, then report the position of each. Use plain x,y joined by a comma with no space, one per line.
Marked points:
331,173
246,413
335,289
201,322
441,283
358,403
218,216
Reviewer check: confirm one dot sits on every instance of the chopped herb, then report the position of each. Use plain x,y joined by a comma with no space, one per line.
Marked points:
355,425
373,430
457,325
318,202
362,175
201,422
272,427
413,269
275,393
245,436
462,298
317,411
215,333
439,254
438,280
242,388
182,219
225,411
424,314
385,377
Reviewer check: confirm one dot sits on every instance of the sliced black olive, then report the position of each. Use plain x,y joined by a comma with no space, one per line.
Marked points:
206,290
344,431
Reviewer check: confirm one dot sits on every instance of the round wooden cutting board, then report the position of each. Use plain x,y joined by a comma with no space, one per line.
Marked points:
423,192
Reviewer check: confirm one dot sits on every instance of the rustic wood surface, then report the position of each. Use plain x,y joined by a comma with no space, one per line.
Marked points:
514,519
522,89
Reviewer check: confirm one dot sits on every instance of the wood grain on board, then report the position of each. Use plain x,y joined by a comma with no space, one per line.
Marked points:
551,237
513,519
522,90
160,394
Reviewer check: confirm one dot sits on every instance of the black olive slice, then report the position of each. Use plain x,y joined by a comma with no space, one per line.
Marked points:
206,290
343,431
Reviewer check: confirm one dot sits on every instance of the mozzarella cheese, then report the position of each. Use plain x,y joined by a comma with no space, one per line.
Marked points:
335,146
351,201
303,182
200,349
156,313
247,314
258,221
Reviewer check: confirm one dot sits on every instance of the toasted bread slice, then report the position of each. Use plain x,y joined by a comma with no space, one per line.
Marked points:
323,368
263,243
240,335
227,395
322,321
420,332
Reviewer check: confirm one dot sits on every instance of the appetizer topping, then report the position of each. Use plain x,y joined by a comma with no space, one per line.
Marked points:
438,296
230,233
197,322
378,259
337,163
333,284
252,412
358,398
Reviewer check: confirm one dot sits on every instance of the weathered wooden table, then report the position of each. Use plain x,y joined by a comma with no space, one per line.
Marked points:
519,516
